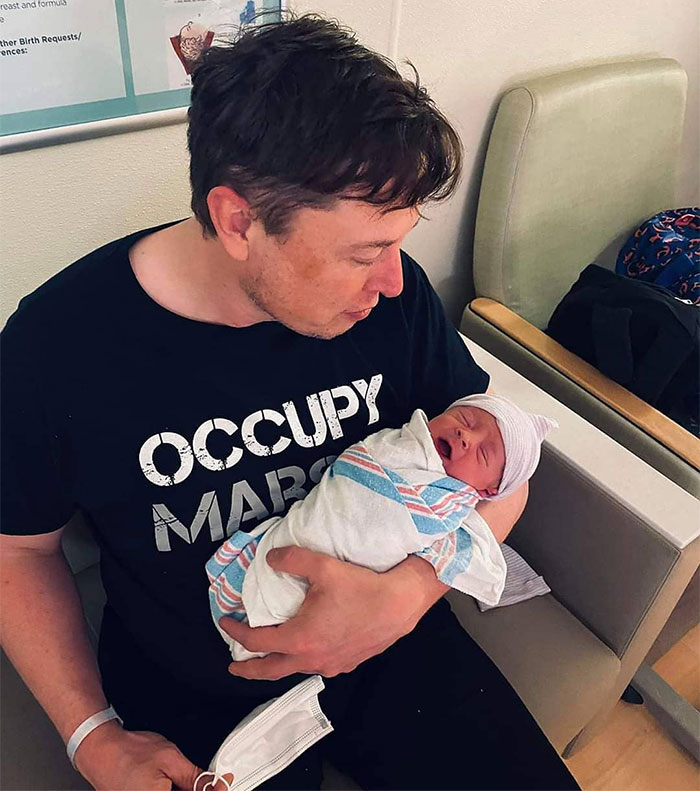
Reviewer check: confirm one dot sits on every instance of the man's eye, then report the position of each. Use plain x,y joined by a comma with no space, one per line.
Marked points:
364,262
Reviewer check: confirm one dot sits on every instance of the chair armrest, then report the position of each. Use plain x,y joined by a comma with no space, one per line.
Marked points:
32,754
605,561
647,418
609,533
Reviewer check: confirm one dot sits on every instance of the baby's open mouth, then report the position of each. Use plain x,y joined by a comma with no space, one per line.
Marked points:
444,448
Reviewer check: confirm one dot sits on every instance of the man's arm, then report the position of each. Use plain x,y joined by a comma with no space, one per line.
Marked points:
501,515
350,613
43,633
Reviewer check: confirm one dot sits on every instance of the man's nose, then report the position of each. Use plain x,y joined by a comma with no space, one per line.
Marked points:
387,278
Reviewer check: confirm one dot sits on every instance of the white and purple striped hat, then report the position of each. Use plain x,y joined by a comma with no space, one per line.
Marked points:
522,434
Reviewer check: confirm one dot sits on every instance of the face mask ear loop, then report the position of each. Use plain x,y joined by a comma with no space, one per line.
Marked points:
211,783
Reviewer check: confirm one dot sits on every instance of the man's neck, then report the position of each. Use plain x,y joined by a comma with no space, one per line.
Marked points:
193,276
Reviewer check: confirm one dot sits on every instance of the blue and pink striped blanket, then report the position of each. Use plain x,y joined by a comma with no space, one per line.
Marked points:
378,502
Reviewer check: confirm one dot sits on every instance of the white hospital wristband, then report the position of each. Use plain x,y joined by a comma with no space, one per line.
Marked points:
86,728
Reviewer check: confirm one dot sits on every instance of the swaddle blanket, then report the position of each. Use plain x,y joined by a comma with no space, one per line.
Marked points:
379,501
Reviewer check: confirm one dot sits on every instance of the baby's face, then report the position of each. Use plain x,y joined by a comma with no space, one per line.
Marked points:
470,446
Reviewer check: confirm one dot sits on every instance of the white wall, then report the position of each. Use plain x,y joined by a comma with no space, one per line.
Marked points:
58,203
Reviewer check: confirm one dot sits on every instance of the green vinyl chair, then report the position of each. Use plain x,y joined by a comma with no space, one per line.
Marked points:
576,161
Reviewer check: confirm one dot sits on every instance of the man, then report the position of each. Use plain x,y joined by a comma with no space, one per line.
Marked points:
190,380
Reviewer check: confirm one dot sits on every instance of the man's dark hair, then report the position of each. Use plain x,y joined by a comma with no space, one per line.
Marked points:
297,114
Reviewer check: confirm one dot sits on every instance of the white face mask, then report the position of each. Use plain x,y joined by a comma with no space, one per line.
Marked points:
269,739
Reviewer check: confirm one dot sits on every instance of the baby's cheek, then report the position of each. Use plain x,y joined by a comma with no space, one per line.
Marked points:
470,473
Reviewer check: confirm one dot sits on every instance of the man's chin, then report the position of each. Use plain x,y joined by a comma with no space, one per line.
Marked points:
325,333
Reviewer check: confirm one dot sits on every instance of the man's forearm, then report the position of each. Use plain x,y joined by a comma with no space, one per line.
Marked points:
44,635
43,632
420,583
501,515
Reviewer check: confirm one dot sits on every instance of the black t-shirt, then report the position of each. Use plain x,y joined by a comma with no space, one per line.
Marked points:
169,434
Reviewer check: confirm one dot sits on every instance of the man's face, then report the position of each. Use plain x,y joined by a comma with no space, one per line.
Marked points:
328,271
470,447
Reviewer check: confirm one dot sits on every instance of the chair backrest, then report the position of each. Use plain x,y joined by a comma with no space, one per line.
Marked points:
576,161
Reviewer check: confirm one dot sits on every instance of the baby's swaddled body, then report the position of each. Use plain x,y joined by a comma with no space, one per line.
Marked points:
380,501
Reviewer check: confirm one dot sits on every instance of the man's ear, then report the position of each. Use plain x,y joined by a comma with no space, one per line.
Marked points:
232,217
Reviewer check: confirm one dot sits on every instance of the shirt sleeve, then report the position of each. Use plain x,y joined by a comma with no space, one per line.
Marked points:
443,367
34,495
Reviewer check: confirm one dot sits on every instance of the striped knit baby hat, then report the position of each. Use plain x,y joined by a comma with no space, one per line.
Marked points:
522,434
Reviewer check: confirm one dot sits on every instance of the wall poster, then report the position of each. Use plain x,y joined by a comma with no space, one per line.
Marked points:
68,62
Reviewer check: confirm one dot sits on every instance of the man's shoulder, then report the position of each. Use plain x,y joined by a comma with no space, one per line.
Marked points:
413,273
417,304
75,293
86,271
419,297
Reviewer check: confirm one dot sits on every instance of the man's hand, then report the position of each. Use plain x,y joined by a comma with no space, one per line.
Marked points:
112,758
349,615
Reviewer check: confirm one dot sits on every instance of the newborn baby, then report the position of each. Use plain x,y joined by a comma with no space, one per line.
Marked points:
402,491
